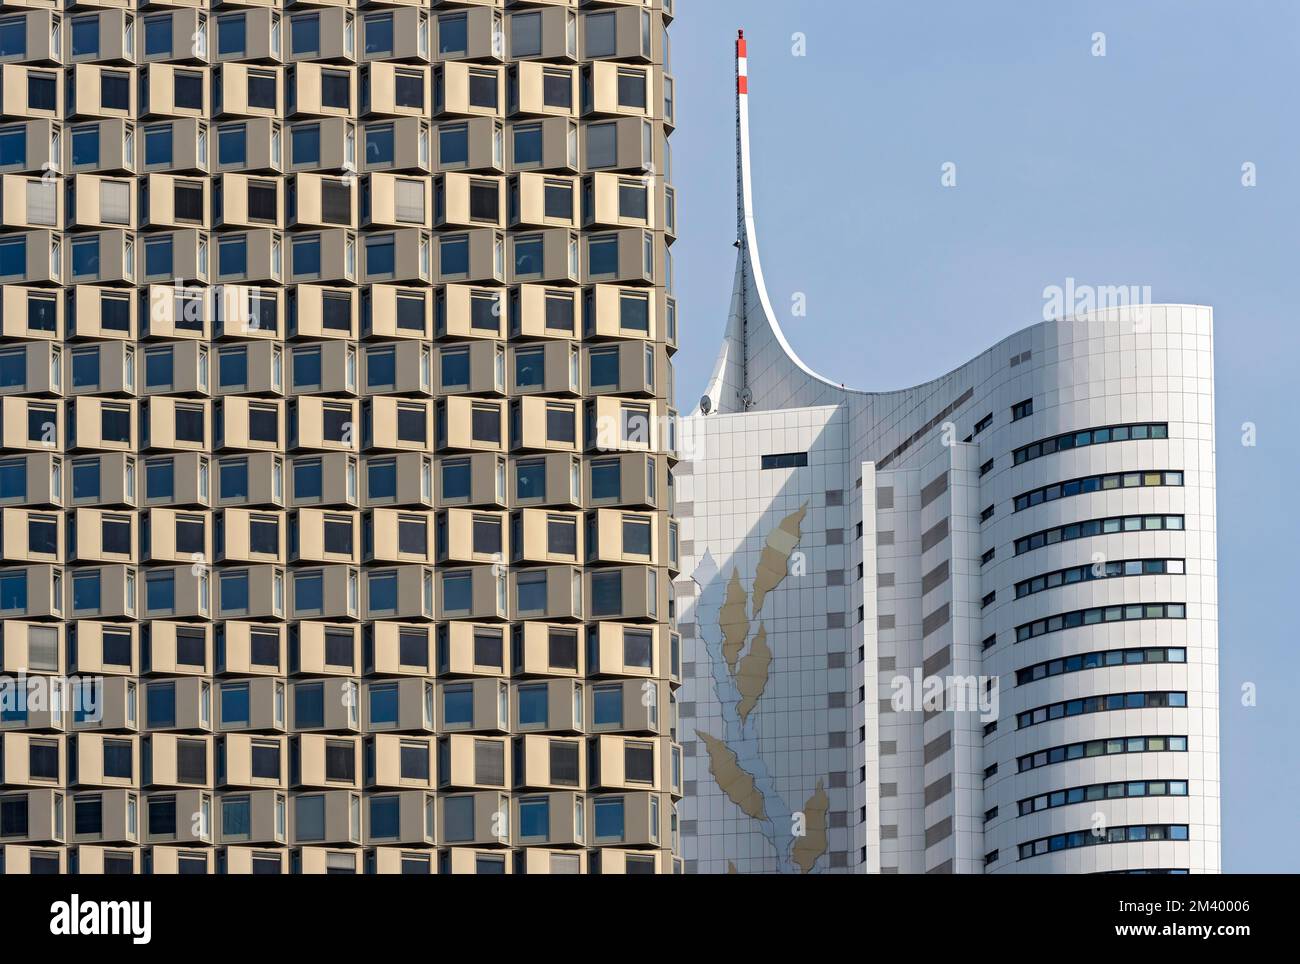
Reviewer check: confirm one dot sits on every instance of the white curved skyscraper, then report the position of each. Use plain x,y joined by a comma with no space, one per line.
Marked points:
1032,536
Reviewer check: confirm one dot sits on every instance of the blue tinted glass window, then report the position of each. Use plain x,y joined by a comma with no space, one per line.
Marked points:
530,480
85,479
13,256
160,704
528,145
158,35
86,591
305,144
528,256
85,145
307,480
306,368
234,592
453,145
384,816
458,705
606,479
13,591
533,701
232,145
379,34
381,255
604,367
382,591
159,480
308,592
158,369
453,256
158,145
381,367
602,256
13,37
42,90
236,817
232,479
13,369
309,705
231,34
305,34
457,592
85,257
455,480
455,368
453,34
531,588
381,480
232,256
13,146
234,704
609,818
535,818
232,368
306,256
530,368
383,704
85,36
158,256
379,144
607,705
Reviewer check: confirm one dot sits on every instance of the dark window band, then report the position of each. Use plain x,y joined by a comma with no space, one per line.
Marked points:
1086,838
1100,614
1097,527
1096,483
1090,436
1102,791
1094,748
786,460
1104,703
1100,570
1100,660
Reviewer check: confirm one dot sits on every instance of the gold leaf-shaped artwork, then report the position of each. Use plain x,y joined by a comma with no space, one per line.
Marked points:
738,785
812,844
774,563
735,624
751,677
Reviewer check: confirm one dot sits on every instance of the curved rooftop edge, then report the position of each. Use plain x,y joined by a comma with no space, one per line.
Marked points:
757,369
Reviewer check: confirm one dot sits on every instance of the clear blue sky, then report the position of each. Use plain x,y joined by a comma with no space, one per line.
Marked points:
1123,169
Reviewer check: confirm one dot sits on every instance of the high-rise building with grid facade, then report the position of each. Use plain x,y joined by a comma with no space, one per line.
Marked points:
336,394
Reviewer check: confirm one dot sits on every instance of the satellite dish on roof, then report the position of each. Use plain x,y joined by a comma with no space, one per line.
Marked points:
706,405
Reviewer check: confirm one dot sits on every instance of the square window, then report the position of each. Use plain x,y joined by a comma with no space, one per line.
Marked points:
158,36
114,90
379,34
232,144
483,89
304,145
453,34
261,90
336,89
408,89
187,92
42,91
304,34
